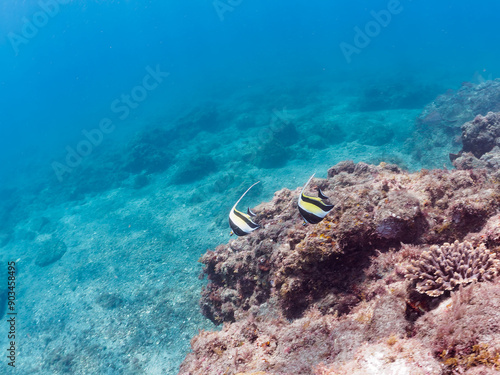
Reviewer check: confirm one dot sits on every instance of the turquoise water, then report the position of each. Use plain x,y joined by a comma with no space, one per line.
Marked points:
130,128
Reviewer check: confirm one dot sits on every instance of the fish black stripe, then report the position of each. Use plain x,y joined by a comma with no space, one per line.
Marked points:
309,217
320,205
250,223
236,229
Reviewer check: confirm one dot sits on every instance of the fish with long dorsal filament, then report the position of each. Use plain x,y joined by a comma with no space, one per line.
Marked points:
313,209
241,223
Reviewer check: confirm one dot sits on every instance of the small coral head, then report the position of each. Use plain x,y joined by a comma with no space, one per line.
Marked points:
445,267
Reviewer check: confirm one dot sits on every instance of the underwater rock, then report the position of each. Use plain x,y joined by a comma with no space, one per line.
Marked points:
93,178
273,345
388,318
293,296
481,134
331,132
457,107
285,132
375,208
245,121
323,134
316,141
490,235
481,144
438,128
464,331
159,138
223,182
399,217
392,356
50,250
344,166
467,160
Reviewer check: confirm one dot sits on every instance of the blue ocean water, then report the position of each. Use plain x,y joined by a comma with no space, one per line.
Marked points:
129,129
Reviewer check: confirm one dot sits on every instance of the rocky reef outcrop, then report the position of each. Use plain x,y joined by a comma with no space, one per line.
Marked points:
439,126
376,209
481,144
334,291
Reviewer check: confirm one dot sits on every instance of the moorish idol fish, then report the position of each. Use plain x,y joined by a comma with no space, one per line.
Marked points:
242,224
313,209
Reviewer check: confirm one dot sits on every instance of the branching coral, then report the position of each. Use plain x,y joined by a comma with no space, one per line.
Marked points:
445,267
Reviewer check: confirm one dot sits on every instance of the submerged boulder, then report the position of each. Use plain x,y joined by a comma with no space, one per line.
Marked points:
481,144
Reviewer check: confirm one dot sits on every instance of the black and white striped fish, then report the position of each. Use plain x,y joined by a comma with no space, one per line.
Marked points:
241,223
313,209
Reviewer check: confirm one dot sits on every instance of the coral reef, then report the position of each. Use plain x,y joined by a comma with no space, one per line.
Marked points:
456,107
439,125
481,134
375,208
332,298
272,344
450,265
464,331
481,144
